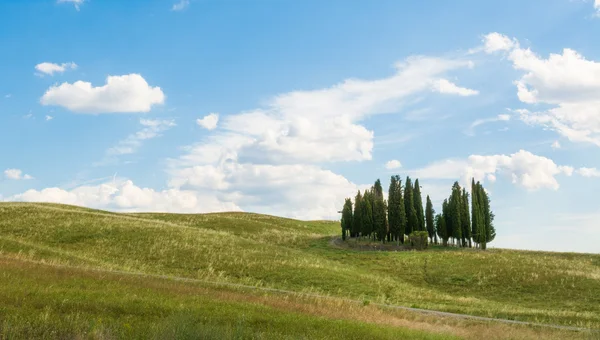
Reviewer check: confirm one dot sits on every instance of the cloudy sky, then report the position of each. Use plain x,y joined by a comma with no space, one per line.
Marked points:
288,107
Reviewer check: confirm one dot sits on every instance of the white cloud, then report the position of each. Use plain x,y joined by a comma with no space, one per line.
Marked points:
16,174
555,145
75,3
323,125
181,5
597,7
270,159
476,123
127,93
265,160
298,191
445,86
51,68
588,172
567,82
494,42
151,128
524,168
209,121
49,117
393,164
125,196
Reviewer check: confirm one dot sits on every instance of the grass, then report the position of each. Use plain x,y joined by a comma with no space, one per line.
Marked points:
266,251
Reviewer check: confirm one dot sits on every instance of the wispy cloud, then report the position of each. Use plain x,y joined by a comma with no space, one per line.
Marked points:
75,3
181,5
500,118
151,129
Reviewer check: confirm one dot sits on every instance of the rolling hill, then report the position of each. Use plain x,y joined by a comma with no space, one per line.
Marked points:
69,272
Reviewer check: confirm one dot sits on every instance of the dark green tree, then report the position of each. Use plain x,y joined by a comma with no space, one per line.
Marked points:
379,220
429,215
346,218
465,219
455,207
409,205
379,212
401,212
357,219
444,233
378,190
488,217
475,213
367,214
394,202
418,201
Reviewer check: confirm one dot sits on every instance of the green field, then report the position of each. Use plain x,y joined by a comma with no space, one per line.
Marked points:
50,286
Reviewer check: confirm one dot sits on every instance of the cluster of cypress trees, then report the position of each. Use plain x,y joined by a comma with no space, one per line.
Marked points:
373,217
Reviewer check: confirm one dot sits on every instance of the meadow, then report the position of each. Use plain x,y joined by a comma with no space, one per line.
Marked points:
56,281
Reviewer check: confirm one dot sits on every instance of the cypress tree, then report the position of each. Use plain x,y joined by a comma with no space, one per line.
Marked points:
379,212
475,220
401,212
346,218
442,228
378,190
367,214
379,220
488,218
418,200
357,219
394,208
466,220
409,205
455,206
429,213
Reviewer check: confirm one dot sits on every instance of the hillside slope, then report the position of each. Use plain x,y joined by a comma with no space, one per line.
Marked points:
266,251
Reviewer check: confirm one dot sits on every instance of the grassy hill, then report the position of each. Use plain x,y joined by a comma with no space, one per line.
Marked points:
51,285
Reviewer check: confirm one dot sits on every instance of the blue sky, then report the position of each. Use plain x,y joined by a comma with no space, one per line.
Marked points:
287,108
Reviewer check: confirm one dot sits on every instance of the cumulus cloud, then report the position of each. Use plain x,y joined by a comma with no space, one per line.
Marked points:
51,68
323,125
445,86
393,164
181,5
494,42
568,83
270,159
125,196
209,121
16,174
120,94
75,3
530,171
478,122
555,145
298,191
